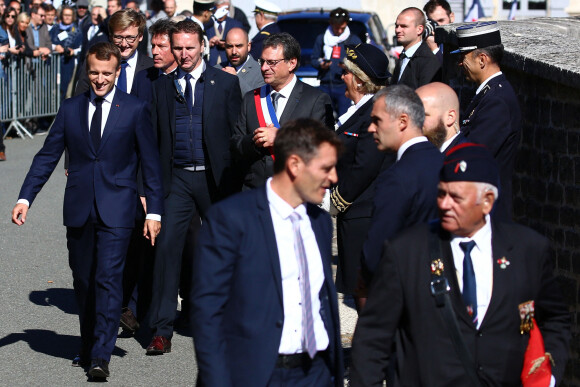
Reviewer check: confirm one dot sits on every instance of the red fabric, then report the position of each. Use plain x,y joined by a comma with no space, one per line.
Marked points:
541,376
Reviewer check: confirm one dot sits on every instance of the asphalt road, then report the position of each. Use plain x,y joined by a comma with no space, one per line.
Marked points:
39,330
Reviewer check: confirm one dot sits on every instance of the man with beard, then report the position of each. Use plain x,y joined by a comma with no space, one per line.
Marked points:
441,124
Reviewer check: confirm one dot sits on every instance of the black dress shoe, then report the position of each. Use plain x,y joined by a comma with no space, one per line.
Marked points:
80,361
99,368
128,321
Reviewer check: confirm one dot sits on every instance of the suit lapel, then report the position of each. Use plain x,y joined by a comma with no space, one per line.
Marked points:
209,89
270,239
502,277
292,103
114,114
85,126
169,101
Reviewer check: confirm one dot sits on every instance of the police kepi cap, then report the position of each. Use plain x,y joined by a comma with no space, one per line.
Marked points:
470,162
477,35
371,60
203,5
267,7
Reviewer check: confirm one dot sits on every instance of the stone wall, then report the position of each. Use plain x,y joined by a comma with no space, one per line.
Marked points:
542,62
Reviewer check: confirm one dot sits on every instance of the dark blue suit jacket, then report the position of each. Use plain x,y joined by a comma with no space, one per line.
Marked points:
105,176
221,105
215,51
493,118
258,39
406,194
237,307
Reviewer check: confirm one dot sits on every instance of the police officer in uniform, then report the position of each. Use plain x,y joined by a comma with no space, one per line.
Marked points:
266,15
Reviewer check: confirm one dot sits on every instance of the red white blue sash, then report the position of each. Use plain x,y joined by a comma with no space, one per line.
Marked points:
264,107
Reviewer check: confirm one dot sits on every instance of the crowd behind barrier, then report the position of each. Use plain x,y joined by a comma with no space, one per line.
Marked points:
29,89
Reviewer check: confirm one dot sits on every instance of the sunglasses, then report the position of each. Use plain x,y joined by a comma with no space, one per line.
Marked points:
10,16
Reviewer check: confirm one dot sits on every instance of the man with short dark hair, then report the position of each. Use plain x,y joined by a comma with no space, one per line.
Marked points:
417,65
265,255
406,192
493,118
283,98
108,136
37,35
441,124
466,295
440,12
328,54
194,115
240,62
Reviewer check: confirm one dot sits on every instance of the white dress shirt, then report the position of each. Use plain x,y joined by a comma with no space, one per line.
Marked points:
284,95
291,341
409,53
352,109
195,75
407,144
482,258
130,71
448,142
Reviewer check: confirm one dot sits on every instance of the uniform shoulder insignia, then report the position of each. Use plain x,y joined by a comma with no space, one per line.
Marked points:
486,89
264,32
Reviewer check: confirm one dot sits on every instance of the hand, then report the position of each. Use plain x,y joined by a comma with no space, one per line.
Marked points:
264,137
221,44
143,203
325,65
58,48
44,51
230,69
151,230
213,41
19,214
431,43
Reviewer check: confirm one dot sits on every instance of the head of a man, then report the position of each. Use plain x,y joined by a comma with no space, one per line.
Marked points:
113,6
82,9
132,5
237,46
2,7
305,159
265,13
103,67
223,14
203,11
67,15
441,112
16,5
170,8
37,15
187,45
467,189
280,58
439,11
50,13
160,32
409,27
397,117
480,64
338,20
126,29
97,15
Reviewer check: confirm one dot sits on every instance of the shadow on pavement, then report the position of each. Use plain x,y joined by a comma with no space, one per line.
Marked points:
62,298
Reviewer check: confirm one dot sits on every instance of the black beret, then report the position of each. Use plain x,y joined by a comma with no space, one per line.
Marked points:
371,60
470,162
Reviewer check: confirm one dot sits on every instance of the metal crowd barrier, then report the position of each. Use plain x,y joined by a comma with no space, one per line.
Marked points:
29,89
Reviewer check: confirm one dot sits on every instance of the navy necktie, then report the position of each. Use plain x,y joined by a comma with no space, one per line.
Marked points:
308,338
96,123
188,95
469,288
220,28
122,81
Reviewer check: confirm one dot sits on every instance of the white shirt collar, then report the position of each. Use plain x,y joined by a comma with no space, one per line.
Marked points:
281,206
132,61
198,22
480,236
108,97
409,143
352,109
196,72
447,142
287,90
411,51
485,82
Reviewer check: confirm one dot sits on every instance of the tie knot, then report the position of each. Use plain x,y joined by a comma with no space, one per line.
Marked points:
188,77
403,55
467,246
295,217
124,64
98,101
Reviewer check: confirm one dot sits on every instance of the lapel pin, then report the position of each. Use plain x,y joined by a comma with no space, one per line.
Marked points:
212,82
503,263
243,70
117,105
437,267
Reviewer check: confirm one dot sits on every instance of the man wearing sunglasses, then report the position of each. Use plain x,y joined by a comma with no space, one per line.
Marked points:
126,28
283,98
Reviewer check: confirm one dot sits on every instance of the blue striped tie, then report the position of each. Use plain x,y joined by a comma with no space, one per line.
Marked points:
308,339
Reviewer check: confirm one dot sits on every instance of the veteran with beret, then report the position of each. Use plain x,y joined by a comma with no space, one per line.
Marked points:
493,118
365,73
463,293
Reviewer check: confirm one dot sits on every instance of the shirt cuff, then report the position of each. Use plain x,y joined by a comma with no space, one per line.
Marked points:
23,201
552,381
153,217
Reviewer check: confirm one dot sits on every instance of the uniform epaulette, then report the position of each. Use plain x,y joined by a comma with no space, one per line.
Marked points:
264,32
338,201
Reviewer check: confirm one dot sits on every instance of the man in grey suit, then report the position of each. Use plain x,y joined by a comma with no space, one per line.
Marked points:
37,35
240,62
283,98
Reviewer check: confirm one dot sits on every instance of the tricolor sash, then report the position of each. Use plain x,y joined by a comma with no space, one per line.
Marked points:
264,107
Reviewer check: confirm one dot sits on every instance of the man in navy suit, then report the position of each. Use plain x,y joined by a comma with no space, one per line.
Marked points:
493,118
264,306
265,16
108,134
406,193
441,124
217,31
194,115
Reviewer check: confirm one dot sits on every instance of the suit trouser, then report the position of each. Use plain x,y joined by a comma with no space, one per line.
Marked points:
190,192
96,258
